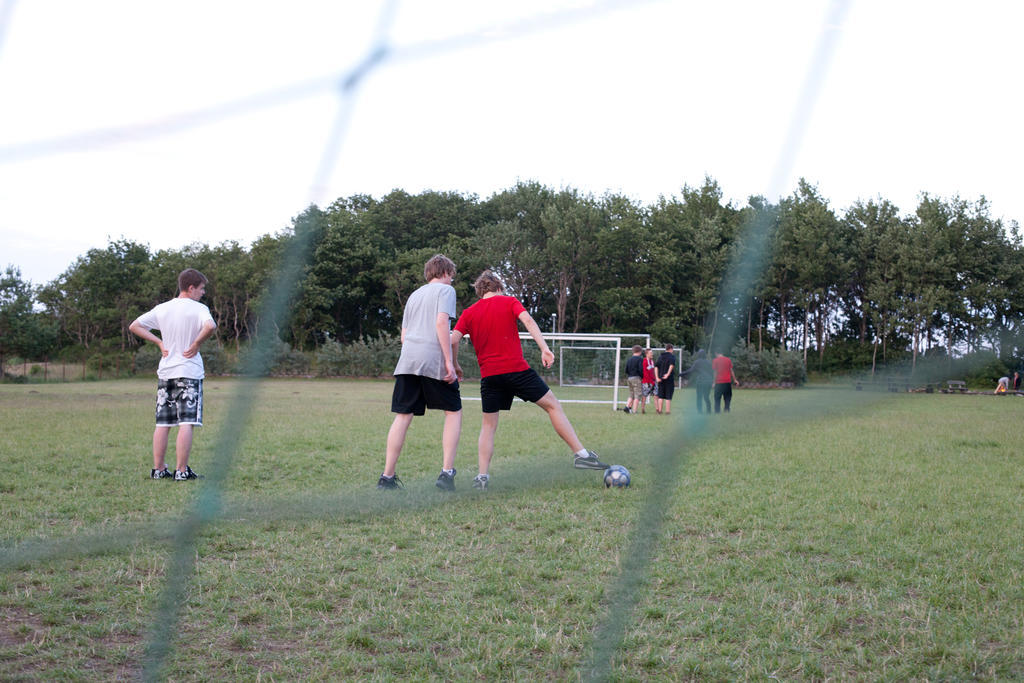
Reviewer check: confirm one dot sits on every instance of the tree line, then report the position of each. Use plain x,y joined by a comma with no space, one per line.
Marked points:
846,289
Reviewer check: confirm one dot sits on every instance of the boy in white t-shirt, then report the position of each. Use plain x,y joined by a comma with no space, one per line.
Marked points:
184,324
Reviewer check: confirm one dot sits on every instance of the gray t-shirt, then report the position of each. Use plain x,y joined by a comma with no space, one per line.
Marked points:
421,353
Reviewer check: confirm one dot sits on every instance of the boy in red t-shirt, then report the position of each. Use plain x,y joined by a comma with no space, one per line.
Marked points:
721,366
491,323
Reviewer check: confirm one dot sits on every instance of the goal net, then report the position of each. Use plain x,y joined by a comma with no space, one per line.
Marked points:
588,368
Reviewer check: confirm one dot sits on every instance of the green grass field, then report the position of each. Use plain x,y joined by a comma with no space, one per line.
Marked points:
810,534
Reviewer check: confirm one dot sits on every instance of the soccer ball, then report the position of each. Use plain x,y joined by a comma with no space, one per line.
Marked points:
617,476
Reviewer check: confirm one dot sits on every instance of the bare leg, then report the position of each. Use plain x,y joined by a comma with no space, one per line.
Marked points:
560,422
160,435
668,407
396,439
183,446
450,437
485,444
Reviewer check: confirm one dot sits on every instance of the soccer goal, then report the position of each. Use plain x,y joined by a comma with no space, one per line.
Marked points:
588,367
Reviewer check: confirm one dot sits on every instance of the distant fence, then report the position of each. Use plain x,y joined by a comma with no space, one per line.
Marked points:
93,368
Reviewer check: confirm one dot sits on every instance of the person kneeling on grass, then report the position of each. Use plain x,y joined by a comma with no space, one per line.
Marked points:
491,324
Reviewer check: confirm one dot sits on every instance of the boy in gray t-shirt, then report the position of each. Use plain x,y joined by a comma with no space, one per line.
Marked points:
425,376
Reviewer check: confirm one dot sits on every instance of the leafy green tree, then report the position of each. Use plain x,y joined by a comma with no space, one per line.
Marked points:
100,295
865,224
926,268
345,288
815,252
23,331
514,242
692,242
572,224
884,281
755,249
626,279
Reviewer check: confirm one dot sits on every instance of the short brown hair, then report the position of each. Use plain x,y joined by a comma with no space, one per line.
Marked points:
190,277
487,282
669,347
637,348
439,265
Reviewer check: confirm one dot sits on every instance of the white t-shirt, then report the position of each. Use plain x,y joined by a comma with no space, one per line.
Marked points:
421,352
179,321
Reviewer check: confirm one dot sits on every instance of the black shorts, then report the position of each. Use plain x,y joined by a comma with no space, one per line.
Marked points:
497,391
666,388
414,394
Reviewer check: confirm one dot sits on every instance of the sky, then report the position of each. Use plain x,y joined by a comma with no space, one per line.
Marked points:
215,121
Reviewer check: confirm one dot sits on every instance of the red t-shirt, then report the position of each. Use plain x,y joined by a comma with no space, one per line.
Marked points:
723,370
492,325
648,377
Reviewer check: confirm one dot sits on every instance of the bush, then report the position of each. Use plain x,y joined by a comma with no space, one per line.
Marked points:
216,360
363,358
791,368
275,358
982,368
770,366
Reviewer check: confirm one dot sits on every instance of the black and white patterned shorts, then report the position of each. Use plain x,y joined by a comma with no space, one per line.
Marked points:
179,401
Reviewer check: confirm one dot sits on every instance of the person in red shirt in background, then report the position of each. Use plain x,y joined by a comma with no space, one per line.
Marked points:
649,381
721,366
492,325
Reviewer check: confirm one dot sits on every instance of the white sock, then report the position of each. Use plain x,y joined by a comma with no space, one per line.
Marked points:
582,453
451,471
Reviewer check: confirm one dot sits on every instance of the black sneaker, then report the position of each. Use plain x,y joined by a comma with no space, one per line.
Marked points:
481,481
445,481
590,461
186,475
392,482
161,474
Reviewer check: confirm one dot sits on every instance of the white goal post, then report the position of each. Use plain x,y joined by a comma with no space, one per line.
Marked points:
612,342
574,338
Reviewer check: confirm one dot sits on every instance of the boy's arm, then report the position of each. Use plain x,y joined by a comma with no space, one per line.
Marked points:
140,330
444,338
456,338
208,329
669,371
547,358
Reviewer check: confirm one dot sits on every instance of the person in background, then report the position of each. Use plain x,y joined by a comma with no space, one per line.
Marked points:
184,324
649,380
666,380
425,376
634,378
492,324
702,375
724,379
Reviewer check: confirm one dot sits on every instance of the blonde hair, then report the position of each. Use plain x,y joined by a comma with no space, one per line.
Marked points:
487,282
439,265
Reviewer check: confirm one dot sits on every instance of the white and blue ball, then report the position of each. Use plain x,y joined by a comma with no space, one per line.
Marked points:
617,476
